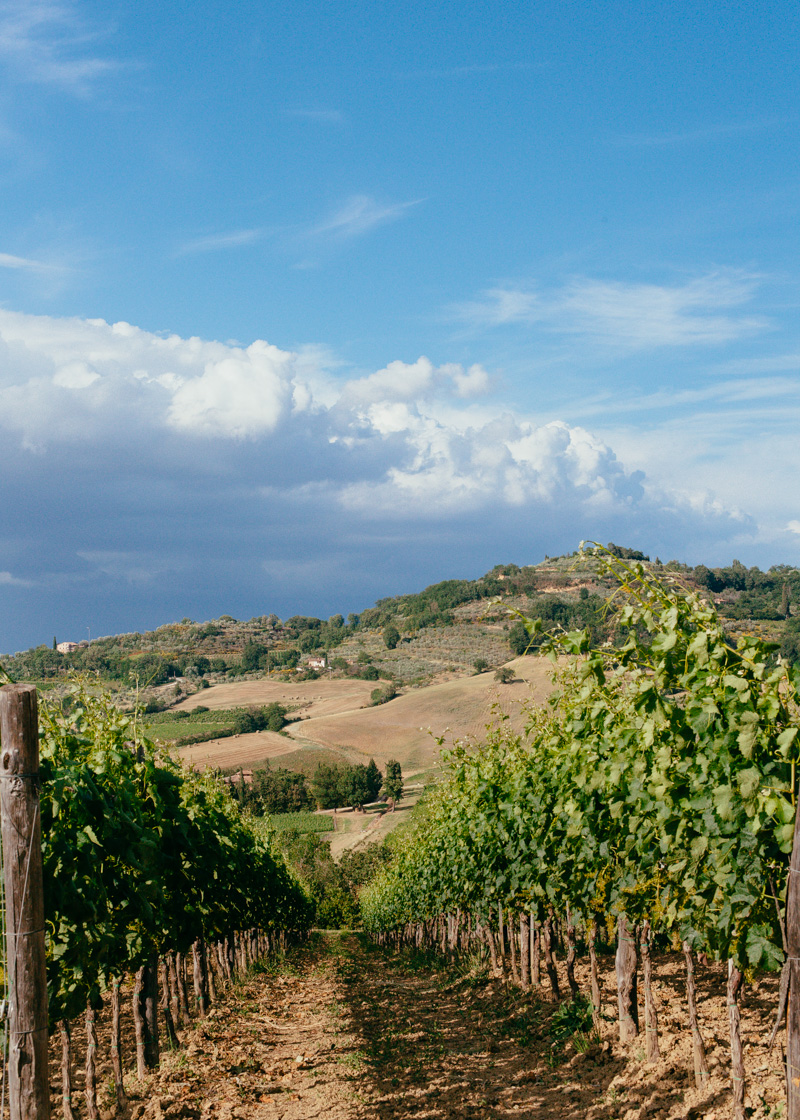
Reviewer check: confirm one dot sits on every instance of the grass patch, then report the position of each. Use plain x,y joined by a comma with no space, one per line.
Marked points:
300,822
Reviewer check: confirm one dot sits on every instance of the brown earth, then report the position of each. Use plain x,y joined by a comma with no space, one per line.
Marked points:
340,724
341,1030
305,698
406,728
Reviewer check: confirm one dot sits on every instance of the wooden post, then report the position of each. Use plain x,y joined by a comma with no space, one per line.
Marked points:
626,981
28,1081
793,961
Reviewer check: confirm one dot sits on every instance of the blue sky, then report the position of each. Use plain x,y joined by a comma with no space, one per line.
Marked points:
301,305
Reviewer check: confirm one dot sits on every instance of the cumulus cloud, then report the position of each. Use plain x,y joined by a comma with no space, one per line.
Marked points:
155,473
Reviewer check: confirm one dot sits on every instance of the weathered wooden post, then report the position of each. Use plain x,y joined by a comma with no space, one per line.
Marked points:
793,961
28,1082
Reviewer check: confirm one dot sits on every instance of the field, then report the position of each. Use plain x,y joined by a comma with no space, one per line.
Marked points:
253,749
342,727
300,822
303,698
407,727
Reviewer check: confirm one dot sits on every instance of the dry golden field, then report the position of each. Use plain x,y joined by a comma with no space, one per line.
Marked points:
340,726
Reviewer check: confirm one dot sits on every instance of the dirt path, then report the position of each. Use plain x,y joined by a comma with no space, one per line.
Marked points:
341,1030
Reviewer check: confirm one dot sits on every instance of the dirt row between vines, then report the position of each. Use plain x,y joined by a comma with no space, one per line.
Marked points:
340,1030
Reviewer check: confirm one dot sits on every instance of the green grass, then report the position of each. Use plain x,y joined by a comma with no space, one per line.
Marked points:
186,729
300,822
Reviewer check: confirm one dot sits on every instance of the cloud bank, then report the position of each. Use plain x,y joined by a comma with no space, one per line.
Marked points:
147,476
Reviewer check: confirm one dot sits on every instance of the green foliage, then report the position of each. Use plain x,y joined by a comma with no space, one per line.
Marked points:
271,791
504,674
139,855
335,905
393,782
391,636
480,664
660,782
271,717
300,822
340,786
383,695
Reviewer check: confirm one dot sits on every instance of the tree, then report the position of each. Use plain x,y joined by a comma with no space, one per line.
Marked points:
374,779
480,664
504,675
393,782
383,695
252,655
324,785
391,636
55,643
519,639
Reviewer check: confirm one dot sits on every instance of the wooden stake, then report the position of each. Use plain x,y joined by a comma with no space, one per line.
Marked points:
698,1049
512,945
626,982
28,1081
735,984
66,1071
571,954
183,995
650,1014
199,978
597,994
90,1090
524,952
534,929
137,1003
166,1005
116,1044
549,962
793,961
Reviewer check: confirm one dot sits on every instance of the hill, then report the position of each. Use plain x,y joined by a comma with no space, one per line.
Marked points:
339,726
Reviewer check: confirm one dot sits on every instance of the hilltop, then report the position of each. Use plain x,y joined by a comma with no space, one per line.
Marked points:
438,632
388,681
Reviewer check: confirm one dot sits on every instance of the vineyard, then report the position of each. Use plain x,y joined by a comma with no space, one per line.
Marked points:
646,810
655,793
146,867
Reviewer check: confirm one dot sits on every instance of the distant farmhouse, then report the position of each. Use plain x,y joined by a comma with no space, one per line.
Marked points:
67,647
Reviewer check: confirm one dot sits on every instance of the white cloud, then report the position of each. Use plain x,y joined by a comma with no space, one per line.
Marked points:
215,242
630,316
49,42
159,465
359,215
7,580
7,260
245,394
793,527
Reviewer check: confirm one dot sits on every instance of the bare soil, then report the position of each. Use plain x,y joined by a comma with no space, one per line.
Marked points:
343,1030
336,717
305,698
407,728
